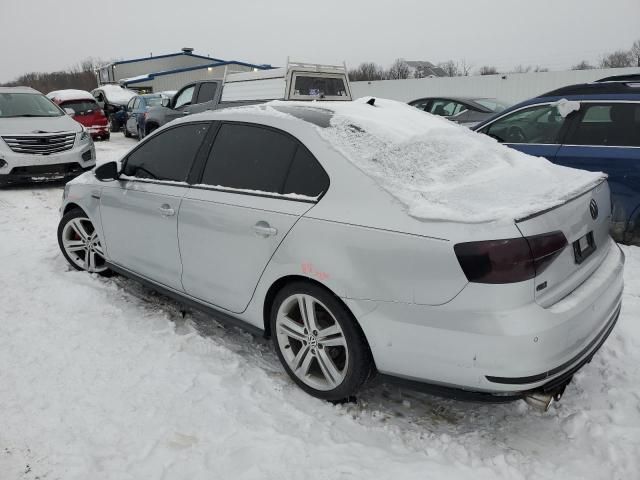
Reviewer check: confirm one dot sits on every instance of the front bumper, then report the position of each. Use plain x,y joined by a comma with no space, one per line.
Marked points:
21,168
496,352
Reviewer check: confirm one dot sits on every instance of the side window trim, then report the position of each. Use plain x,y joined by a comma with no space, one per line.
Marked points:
201,161
187,182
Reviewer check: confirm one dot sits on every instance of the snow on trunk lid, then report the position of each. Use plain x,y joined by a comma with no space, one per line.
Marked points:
584,221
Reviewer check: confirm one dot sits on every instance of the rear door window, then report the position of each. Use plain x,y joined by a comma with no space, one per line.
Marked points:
167,155
613,124
539,124
207,92
306,176
249,157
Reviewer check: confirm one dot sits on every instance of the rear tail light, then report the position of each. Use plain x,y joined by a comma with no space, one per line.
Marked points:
510,260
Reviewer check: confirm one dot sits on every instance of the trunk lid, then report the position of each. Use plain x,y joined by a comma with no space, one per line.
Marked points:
584,221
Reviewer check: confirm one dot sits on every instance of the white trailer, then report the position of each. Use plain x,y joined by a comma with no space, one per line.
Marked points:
296,81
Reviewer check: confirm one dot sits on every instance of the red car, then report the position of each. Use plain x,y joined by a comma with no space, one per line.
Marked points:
86,111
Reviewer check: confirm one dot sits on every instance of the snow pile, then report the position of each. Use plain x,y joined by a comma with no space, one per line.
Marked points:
440,170
69,94
117,94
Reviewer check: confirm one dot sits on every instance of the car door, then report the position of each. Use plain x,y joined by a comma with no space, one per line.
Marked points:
140,210
181,103
205,95
231,224
605,137
130,115
534,129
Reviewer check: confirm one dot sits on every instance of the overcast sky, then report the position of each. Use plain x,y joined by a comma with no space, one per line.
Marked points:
41,35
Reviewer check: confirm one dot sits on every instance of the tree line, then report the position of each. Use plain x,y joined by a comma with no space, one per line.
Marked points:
400,69
81,76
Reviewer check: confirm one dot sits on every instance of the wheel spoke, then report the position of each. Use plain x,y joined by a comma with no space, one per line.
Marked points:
87,254
292,328
332,336
98,248
80,230
329,369
307,312
92,260
74,245
302,361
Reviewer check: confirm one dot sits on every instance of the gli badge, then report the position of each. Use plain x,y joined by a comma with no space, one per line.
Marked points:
593,208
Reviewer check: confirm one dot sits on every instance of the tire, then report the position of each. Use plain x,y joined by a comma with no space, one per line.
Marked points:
326,355
106,137
79,243
114,125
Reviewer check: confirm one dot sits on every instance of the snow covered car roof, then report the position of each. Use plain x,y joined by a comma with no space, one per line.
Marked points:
69,94
117,94
437,169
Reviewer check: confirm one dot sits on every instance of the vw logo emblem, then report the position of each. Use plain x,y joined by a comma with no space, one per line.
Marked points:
593,208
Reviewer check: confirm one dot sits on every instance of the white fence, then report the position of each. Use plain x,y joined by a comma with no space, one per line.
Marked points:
510,87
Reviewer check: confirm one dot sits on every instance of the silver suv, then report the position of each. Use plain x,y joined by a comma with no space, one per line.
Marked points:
363,237
39,141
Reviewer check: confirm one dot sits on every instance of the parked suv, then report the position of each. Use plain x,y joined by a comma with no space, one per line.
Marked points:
113,100
84,109
192,98
593,126
40,141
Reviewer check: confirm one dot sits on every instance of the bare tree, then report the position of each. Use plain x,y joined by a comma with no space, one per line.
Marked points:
367,71
617,59
464,68
521,69
487,70
635,51
538,68
583,65
450,68
80,76
399,70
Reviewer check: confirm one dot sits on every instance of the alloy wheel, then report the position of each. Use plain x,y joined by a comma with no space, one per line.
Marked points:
312,342
82,245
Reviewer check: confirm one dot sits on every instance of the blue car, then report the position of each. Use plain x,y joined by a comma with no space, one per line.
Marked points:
594,126
136,112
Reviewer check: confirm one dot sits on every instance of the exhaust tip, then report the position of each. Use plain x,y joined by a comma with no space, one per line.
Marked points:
543,400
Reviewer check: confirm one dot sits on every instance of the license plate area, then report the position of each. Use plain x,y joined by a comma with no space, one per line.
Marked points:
584,247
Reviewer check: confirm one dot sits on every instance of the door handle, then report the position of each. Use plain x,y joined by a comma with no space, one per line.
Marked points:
166,210
265,230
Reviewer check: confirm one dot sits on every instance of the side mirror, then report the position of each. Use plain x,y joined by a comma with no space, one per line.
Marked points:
107,172
70,111
166,102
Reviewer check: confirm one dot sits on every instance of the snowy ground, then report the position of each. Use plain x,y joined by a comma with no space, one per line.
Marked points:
102,379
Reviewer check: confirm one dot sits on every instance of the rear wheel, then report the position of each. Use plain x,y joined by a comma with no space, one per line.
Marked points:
319,343
80,244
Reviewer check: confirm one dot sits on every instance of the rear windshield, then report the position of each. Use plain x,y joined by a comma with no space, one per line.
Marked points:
27,105
313,86
153,101
81,107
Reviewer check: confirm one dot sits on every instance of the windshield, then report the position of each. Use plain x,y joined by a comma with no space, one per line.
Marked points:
492,104
319,86
81,107
27,105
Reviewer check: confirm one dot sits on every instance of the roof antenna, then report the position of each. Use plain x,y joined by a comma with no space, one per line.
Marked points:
371,101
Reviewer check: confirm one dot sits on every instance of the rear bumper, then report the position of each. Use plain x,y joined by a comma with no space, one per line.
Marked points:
504,353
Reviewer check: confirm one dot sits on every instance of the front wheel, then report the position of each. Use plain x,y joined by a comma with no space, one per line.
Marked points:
80,244
319,343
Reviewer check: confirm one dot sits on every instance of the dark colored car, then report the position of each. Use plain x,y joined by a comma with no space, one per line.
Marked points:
465,111
137,112
593,126
113,99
